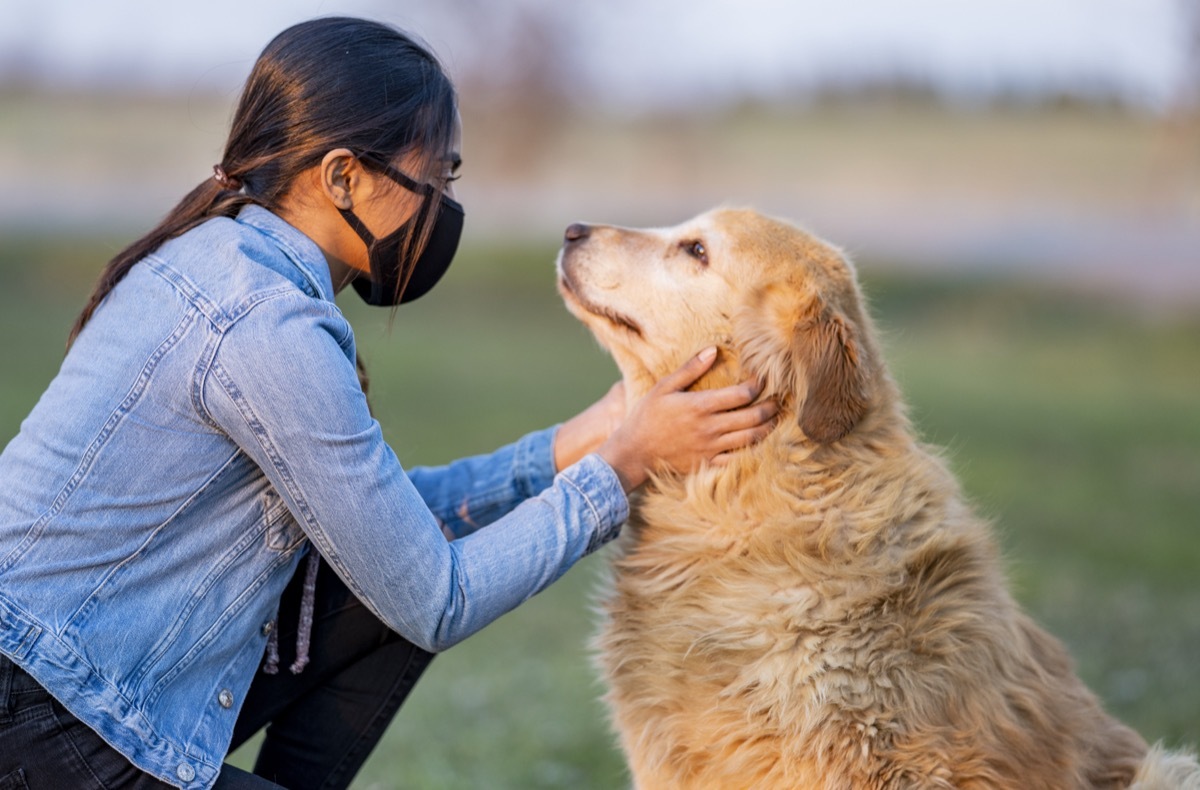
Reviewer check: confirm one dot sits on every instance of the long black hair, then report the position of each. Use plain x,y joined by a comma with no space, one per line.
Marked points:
333,82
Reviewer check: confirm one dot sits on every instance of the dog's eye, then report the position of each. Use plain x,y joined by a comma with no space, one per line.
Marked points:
696,249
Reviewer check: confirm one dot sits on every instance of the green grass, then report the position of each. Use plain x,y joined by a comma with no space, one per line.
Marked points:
1073,424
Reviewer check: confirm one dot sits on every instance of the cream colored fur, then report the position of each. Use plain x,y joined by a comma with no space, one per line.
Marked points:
825,611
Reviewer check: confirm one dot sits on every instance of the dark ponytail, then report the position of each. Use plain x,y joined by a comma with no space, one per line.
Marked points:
328,83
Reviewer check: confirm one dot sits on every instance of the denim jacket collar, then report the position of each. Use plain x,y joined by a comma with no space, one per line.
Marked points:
299,248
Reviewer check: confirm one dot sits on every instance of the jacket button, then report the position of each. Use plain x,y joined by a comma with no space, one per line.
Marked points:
185,772
225,698
268,627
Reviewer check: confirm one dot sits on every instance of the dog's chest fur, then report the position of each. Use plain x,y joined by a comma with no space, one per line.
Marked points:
781,639
720,619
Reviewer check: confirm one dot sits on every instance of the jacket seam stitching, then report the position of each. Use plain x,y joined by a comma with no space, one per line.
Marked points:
591,506
209,367
115,418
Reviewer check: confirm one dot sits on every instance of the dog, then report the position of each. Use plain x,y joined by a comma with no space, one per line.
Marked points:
824,610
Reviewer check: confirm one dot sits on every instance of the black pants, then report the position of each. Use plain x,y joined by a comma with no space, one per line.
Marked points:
320,724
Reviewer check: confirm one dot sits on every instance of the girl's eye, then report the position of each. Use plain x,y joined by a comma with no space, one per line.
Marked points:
697,250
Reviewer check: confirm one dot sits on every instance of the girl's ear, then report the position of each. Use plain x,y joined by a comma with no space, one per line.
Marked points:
807,355
339,172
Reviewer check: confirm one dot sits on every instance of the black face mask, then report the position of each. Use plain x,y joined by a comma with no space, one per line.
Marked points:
388,269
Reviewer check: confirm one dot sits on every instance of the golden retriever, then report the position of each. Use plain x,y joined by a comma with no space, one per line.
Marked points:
824,611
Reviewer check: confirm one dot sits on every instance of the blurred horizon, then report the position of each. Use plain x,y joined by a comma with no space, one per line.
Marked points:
1059,140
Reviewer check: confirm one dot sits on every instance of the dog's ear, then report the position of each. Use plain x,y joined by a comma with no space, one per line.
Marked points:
806,353
828,365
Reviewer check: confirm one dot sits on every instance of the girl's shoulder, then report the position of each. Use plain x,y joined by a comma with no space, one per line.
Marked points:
229,266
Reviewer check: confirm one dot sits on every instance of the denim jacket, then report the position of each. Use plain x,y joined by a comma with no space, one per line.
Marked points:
205,428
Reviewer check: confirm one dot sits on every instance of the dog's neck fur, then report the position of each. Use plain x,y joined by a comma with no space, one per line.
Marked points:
823,479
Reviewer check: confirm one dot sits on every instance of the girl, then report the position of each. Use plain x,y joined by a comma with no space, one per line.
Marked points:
202,484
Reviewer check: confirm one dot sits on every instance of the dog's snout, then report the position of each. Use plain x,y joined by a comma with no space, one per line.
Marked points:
577,231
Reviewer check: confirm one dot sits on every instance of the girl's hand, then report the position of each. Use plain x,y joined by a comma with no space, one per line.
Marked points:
673,429
586,431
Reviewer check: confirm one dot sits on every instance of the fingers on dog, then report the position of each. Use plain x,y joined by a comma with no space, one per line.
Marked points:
734,396
689,372
736,440
755,416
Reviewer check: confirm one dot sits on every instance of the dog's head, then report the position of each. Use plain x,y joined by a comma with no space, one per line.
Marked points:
780,304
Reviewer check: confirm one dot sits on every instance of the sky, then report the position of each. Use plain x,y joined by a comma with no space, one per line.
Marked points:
640,52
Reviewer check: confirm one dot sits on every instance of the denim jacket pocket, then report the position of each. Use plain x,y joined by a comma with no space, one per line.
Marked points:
283,533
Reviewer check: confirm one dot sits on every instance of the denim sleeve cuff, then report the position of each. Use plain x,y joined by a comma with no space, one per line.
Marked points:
533,462
599,485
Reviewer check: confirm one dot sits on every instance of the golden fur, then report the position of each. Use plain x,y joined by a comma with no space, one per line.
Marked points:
825,611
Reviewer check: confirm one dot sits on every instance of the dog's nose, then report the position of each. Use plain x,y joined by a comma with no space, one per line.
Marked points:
577,231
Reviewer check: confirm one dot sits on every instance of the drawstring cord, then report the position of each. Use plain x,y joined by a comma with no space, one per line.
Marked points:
306,612
304,630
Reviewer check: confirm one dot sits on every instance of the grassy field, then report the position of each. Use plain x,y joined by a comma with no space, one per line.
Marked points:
1073,423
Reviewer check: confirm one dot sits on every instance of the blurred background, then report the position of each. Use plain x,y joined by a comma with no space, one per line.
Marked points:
1018,182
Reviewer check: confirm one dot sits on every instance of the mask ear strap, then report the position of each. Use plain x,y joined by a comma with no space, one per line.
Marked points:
398,176
361,229
374,290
